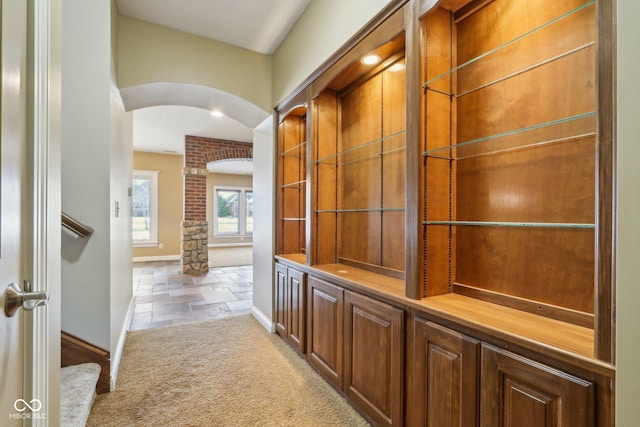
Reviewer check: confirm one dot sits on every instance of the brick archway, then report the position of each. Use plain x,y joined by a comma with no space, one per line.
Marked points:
195,229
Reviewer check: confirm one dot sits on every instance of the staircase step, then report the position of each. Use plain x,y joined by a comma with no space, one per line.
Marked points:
77,392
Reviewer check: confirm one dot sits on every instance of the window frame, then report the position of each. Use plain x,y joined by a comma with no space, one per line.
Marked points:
242,211
152,176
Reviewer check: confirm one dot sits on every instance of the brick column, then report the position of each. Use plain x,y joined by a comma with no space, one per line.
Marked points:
195,230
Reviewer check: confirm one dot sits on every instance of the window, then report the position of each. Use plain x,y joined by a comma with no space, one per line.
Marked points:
144,206
233,211
249,211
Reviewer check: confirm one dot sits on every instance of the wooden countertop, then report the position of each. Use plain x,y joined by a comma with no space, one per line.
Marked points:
566,341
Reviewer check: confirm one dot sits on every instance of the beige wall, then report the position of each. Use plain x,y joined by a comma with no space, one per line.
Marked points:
232,181
302,51
97,140
321,30
628,215
150,53
170,201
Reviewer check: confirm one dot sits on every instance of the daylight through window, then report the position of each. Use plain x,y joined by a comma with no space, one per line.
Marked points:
233,207
144,206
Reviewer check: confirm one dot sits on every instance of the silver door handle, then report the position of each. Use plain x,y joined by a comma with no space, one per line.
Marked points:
14,298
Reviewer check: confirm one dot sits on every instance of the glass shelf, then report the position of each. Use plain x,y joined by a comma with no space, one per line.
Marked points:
366,210
326,159
372,156
295,151
581,126
297,185
467,91
293,219
510,224
429,84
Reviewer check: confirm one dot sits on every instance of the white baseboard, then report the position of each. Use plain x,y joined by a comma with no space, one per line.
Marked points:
157,258
117,355
263,319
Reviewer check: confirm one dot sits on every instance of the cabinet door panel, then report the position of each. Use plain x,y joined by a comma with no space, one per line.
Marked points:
296,299
517,392
374,358
281,300
326,329
445,377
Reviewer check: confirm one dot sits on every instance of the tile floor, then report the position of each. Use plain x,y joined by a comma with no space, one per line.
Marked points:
164,296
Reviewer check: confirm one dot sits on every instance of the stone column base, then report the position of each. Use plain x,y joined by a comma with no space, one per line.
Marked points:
195,250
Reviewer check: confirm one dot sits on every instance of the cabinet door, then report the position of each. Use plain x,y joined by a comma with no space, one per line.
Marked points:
445,377
325,329
374,355
517,392
281,300
296,287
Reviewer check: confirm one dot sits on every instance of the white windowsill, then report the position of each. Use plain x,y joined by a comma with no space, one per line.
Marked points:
145,244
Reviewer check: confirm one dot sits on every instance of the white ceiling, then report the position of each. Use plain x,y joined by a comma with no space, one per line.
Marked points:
258,25
162,129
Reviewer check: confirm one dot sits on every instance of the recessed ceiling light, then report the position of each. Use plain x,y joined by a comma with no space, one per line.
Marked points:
217,113
371,59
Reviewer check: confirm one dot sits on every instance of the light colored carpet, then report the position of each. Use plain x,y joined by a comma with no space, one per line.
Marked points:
230,256
227,372
77,391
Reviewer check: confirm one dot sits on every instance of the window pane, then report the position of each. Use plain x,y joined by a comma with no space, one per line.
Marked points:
249,217
228,212
141,215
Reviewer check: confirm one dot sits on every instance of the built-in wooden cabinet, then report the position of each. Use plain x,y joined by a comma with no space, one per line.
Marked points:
517,392
280,297
356,343
325,329
374,358
296,289
465,182
459,381
444,377
290,305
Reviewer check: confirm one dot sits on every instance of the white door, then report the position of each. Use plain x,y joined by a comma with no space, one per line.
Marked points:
29,209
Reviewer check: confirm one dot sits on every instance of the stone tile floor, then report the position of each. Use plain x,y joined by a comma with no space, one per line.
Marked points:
164,296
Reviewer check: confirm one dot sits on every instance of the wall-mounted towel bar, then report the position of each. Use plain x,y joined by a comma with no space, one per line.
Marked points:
75,226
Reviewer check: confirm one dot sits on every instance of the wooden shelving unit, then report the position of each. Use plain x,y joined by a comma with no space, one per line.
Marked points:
510,146
359,166
458,214
292,182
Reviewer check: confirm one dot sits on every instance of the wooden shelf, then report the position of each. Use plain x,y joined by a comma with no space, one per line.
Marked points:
564,341
360,278
298,259
526,329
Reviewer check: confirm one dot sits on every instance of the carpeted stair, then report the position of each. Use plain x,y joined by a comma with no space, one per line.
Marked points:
77,392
